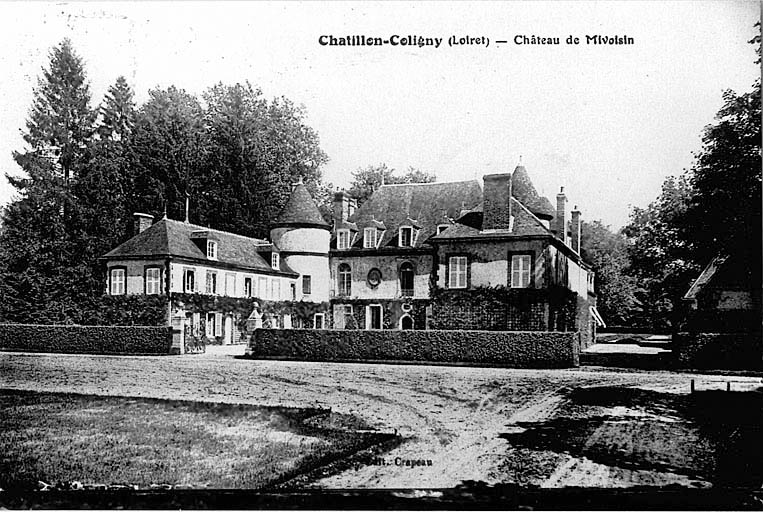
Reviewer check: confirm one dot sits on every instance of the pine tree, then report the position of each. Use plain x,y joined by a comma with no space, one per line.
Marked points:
117,112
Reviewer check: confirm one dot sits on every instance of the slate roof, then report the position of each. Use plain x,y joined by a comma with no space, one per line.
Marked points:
523,189
174,238
301,210
425,204
469,226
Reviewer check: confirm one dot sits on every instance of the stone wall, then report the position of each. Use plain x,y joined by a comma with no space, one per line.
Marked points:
512,349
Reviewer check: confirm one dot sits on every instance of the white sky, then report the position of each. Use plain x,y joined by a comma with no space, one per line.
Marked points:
606,122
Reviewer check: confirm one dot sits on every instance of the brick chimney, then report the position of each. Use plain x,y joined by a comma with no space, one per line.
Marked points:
496,208
344,206
576,230
560,221
142,221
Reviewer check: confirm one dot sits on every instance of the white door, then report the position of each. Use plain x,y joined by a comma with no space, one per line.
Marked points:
228,336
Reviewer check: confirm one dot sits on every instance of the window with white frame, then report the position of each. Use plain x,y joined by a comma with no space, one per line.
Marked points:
344,278
307,285
211,282
343,239
117,281
374,317
520,271
189,280
319,321
211,249
442,227
274,261
247,287
343,317
262,286
457,272
369,238
153,281
405,237
275,292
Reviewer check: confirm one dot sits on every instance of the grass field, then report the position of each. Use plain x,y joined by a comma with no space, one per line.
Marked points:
61,438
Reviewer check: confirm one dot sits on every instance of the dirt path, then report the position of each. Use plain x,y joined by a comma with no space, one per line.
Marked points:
450,417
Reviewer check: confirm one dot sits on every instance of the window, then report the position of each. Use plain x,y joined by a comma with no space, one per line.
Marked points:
263,287
319,320
274,261
293,289
345,279
343,317
189,280
211,249
214,325
457,272
405,238
230,284
369,238
343,239
211,282
374,317
153,281
520,271
374,277
442,227
247,287
307,285
117,281
406,279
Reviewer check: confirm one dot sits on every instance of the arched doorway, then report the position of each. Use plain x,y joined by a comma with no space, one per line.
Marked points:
406,323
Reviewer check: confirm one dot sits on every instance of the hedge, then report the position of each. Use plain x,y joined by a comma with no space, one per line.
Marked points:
728,351
85,339
519,349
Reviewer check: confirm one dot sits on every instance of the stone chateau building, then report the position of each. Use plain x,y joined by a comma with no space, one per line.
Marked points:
414,256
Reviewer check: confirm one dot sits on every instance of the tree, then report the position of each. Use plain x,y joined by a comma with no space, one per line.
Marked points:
117,112
616,291
61,121
366,180
258,148
40,254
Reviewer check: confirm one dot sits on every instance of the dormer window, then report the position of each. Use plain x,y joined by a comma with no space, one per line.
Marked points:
211,250
274,261
343,239
442,227
405,237
369,238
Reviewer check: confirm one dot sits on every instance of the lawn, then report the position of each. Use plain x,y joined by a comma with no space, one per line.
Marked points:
60,439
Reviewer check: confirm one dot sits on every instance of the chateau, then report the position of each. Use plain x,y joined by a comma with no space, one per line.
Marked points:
453,255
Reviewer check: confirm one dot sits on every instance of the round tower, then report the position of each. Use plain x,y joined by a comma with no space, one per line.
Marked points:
302,237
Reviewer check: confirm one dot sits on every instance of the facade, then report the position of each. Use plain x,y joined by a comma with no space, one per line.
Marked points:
413,256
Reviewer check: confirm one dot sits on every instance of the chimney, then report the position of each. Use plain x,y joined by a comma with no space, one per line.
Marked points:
343,203
560,221
142,221
576,229
496,209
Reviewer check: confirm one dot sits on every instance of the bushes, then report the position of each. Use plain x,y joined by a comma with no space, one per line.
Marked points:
81,339
516,349
736,350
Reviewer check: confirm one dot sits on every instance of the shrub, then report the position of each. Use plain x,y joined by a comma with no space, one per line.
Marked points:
531,349
86,339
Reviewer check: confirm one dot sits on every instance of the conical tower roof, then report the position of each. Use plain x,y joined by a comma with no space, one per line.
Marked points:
300,210
523,189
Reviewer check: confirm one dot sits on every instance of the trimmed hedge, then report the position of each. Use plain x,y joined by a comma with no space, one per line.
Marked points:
728,351
519,349
85,339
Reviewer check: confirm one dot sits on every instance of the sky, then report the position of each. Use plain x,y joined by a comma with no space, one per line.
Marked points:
607,122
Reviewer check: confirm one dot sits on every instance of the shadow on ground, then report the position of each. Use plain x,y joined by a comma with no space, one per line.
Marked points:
716,436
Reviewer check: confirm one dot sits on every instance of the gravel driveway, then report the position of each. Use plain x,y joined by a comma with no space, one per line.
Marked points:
450,417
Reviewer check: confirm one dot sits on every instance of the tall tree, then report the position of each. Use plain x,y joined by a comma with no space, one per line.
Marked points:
117,112
616,291
39,250
366,180
61,121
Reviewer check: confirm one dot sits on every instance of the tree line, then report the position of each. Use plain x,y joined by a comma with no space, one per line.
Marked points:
234,154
